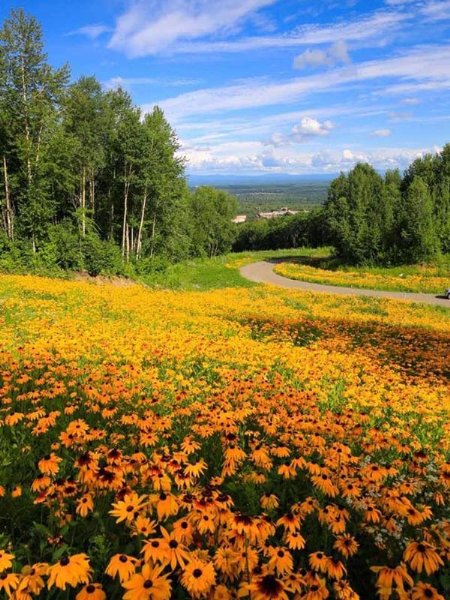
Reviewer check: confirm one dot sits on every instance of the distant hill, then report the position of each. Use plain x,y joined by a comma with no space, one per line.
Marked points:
256,180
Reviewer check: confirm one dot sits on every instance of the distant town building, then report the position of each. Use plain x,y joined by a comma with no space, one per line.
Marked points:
239,219
276,213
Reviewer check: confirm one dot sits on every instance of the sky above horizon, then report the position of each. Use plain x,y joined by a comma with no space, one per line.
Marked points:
267,86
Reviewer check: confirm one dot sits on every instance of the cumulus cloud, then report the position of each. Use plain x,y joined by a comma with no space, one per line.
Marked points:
307,129
249,158
337,53
151,26
381,133
381,159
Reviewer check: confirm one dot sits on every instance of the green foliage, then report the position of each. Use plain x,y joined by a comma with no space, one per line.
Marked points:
87,181
211,214
395,220
304,229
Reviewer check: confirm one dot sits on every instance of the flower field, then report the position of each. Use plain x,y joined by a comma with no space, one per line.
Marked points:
242,443
426,279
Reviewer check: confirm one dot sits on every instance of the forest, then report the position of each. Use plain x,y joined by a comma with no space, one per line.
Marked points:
370,218
89,181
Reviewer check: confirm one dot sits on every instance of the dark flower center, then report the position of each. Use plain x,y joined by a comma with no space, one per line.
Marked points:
173,544
123,558
90,589
148,583
64,561
270,586
197,573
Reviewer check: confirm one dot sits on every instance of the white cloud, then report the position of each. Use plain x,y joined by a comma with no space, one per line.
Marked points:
251,158
152,26
127,82
91,31
361,30
437,11
381,159
307,129
312,58
410,101
338,53
399,116
381,133
419,67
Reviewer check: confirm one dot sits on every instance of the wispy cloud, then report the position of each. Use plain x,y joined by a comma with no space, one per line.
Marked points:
361,30
437,10
151,26
127,82
421,66
92,31
380,133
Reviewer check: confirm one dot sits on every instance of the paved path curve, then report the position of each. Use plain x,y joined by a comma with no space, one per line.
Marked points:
262,272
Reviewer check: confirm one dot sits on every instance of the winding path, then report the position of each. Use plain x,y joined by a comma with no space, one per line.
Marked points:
262,272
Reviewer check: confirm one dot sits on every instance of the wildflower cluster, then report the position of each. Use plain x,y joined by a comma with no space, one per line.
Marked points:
426,279
223,445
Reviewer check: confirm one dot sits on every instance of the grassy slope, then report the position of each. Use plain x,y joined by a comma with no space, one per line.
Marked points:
221,271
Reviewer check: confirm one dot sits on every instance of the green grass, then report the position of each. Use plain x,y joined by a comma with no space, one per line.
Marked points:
221,271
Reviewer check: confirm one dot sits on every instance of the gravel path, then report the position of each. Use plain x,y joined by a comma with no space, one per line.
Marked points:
262,272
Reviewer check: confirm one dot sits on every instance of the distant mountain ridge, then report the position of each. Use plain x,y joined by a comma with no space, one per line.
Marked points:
265,179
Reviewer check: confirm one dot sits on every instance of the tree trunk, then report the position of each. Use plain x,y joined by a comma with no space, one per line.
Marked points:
83,202
152,249
141,225
125,216
26,124
92,192
9,214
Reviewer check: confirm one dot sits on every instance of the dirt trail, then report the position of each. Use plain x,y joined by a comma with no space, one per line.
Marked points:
262,272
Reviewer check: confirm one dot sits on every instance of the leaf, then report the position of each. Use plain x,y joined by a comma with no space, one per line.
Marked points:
59,552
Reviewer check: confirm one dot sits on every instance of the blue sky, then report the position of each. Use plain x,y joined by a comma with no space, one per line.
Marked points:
267,86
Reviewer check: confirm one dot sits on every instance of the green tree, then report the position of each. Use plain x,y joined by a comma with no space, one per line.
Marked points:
31,91
415,224
212,212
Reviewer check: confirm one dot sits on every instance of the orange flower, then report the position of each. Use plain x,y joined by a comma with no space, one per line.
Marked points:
128,508
32,579
122,565
198,578
267,587
425,591
85,505
280,560
9,582
148,584
422,555
387,576
5,560
92,591
346,545
319,562
70,570
49,465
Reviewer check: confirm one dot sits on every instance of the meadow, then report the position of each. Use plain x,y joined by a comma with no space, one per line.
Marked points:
432,278
244,442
